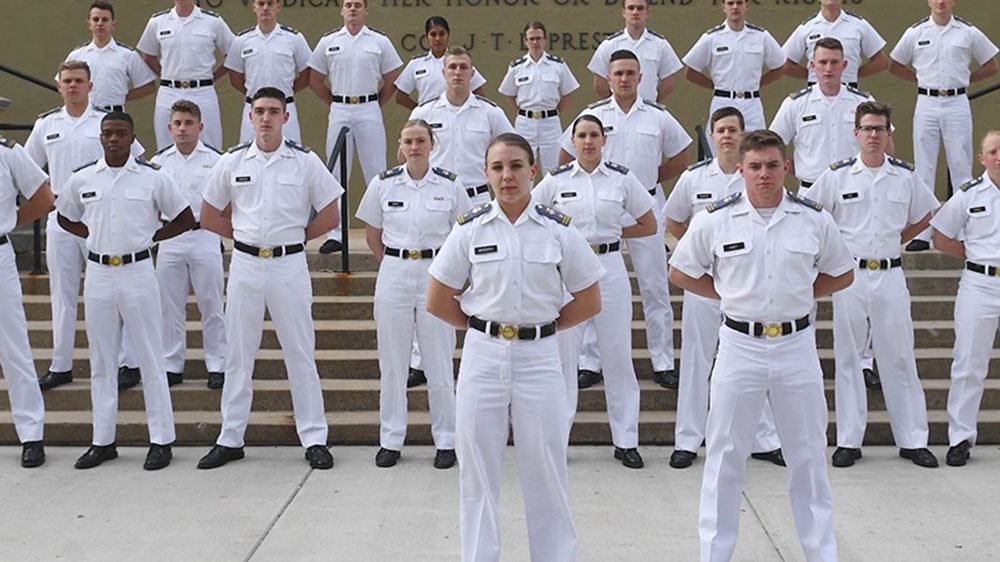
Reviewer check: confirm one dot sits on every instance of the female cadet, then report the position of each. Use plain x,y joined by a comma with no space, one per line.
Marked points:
408,211
516,258
424,74
599,196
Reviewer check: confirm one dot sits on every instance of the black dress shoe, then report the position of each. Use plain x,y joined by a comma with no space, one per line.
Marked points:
331,246
53,379
586,378
872,380
917,245
216,380
630,457
127,377
97,454
319,457
158,457
774,457
666,379
174,378
845,456
681,458
445,458
385,458
920,457
220,455
415,378
957,455
33,454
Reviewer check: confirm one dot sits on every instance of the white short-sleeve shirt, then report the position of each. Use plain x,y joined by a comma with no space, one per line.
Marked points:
973,212
354,64
538,84
189,170
735,59
857,36
657,59
269,59
425,75
941,55
186,46
19,175
115,69
701,184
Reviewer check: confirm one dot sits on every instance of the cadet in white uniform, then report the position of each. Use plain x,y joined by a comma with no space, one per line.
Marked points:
193,258
767,254
658,61
538,86
859,38
700,185
409,211
640,133
118,72
878,203
463,125
19,175
968,227
179,44
424,74
272,185
116,204
516,258
936,53
269,54
734,53
819,120
599,195
360,64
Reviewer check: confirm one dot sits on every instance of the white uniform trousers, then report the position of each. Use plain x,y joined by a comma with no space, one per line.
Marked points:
366,137
520,382
787,370
126,295
283,286
570,341
543,135
290,130
208,102
977,308
26,404
700,323
880,298
65,255
192,259
401,309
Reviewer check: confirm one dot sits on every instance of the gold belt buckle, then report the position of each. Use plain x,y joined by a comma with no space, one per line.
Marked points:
772,330
414,254
266,253
115,261
596,248
874,264
739,95
537,114
355,100
185,83
508,332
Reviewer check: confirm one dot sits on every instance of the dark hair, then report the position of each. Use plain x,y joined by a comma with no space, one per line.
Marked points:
514,139
829,43
722,113
75,65
419,123
623,54
438,21
269,92
185,106
761,139
873,108
118,116
534,24
593,119
101,5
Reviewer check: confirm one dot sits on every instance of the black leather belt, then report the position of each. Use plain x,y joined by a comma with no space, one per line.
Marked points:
186,83
770,329
537,113
411,254
4,240
990,270
289,99
353,100
879,264
115,261
477,190
736,95
606,248
267,253
113,107
935,93
512,331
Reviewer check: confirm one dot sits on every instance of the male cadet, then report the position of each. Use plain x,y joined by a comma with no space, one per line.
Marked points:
936,53
734,54
968,227
193,257
179,44
859,38
657,59
701,184
272,185
767,255
117,71
463,124
639,134
19,175
819,119
64,139
116,204
878,203
359,64
269,54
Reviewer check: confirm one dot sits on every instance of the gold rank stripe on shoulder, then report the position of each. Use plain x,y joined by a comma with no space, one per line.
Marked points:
615,34
616,167
561,169
6,142
390,173
516,62
724,202
901,163
599,103
245,31
799,93
654,34
289,28
210,147
804,201
716,29
239,147
124,46
971,183
420,56
843,163
476,211
147,163
755,27
554,58
444,173
52,111
210,13
552,214
922,21
700,164
651,103
963,20
377,31
297,146
858,91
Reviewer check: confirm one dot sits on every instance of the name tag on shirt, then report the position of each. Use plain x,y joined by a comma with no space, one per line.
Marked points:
924,43
733,247
847,196
333,49
566,194
53,136
88,195
420,72
609,129
480,250
243,179
722,49
395,204
808,118
436,125
523,79
979,209
166,32
249,52
703,196
814,37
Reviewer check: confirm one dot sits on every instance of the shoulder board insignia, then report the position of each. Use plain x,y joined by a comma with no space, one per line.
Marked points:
552,214
297,146
100,109
124,46
210,13
853,15
922,21
391,173
554,58
376,31
49,112
332,31
599,103
420,56
247,30
164,149
147,163
804,201
447,174
962,20
87,165
487,100
971,183
654,34
432,100
288,28
843,163
614,35
659,106
715,29
6,142
239,147
700,164
212,148
724,202
84,44
901,163
798,94
755,27
616,167
516,62
160,13
809,19
560,169
475,212
858,92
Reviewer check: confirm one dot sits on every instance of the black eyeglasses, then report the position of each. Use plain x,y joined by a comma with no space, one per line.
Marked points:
868,129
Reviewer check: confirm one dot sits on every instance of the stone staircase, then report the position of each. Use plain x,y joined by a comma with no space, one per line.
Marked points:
348,366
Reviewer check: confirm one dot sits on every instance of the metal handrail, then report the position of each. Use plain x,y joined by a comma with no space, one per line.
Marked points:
28,78
704,148
972,97
339,154
15,127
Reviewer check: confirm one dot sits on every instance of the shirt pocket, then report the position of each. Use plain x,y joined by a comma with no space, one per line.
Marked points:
611,204
648,140
801,260
545,256
439,205
478,130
